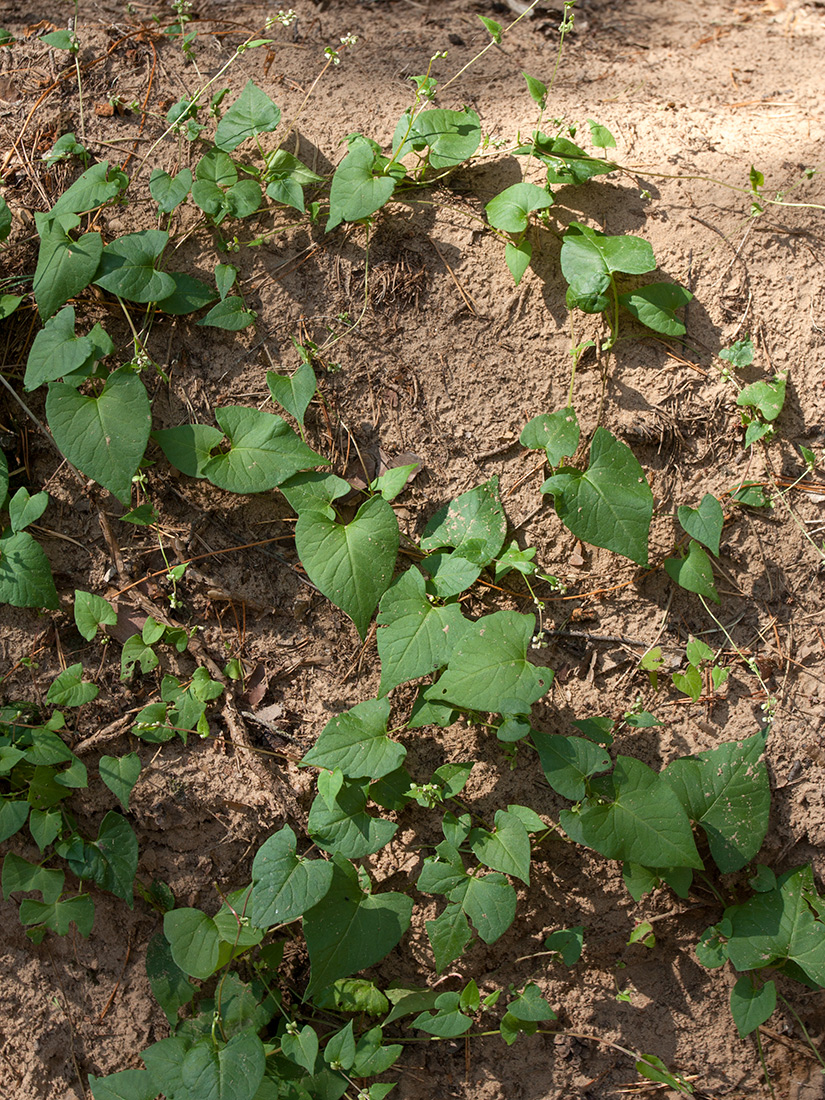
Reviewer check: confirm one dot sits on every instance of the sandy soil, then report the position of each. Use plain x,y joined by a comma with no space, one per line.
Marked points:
449,362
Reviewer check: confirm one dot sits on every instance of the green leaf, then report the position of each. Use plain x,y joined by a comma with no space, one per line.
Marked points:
634,816
314,492
751,1005
98,185
188,447
170,986
357,743
110,861
60,40
44,826
358,189
474,523
589,260
726,791
68,690
556,433
447,1022
231,1072
782,925
510,210
25,509
767,397
655,306
351,564
293,392
194,941
689,682
531,1006
697,651
489,664
493,28
302,1048
340,1049
449,935
25,573
58,916
346,828
120,774
567,942
694,573
490,903
129,1084
372,1055
136,650
568,762
103,436
189,295
5,222
610,504
537,90
654,1069
20,876
167,192
285,886
451,136
225,276
506,849
416,635
64,266
90,612
350,929
231,314
600,135
127,267
392,482
453,573
517,256
264,452
252,113
56,350
287,177
704,523
739,354
9,303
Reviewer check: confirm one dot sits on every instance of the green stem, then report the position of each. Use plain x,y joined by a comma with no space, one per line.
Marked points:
808,1039
489,46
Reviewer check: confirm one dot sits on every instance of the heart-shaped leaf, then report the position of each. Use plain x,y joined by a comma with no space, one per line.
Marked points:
264,451
253,112
127,267
103,436
352,564
704,523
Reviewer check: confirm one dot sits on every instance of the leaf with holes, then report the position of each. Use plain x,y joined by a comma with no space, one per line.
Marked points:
103,436
556,433
474,524
610,504
352,564
726,791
